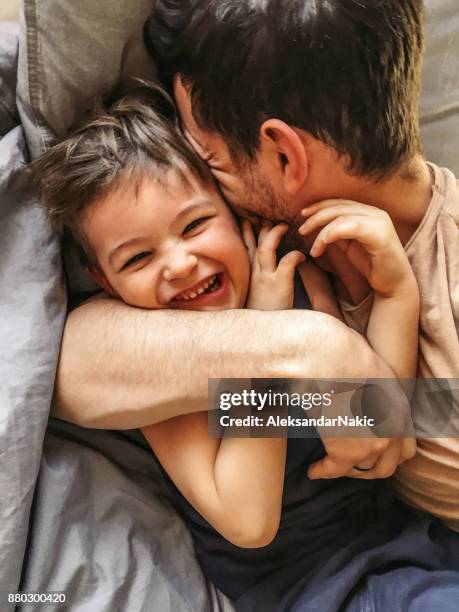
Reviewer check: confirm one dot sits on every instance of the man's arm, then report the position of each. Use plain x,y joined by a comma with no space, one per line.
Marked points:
122,367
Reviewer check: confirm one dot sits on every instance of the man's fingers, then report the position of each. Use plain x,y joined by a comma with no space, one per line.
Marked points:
248,236
268,244
408,449
398,451
328,468
289,262
386,465
367,464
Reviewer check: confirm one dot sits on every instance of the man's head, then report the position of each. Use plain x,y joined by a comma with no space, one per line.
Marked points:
294,85
152,227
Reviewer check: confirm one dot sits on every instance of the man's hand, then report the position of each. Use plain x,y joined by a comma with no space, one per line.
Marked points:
376,457
271,283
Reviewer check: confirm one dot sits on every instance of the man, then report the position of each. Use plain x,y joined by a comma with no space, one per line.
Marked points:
126,356
315,101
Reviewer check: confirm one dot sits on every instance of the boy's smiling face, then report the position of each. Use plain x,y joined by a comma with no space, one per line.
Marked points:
171,245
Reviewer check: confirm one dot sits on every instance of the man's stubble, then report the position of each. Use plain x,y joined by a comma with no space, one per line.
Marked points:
260,199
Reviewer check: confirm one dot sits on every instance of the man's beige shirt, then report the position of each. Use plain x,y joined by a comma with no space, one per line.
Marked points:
430,481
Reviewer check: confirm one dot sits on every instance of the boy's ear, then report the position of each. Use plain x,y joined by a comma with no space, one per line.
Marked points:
286,149
101,280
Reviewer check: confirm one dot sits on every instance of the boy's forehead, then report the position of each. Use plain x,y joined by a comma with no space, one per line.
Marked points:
182,190
168,195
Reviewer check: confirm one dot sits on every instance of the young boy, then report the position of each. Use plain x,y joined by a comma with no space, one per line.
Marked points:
155,233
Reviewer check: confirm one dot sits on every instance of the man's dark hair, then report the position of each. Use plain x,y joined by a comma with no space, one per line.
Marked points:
346,71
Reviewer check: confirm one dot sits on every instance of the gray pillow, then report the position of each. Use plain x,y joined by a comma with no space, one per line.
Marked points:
8,68
75,50
440,85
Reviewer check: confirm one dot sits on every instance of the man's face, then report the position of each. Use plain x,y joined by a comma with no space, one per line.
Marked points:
245,185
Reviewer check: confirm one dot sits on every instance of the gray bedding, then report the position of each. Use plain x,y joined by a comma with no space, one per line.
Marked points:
103,531
32,307
87,512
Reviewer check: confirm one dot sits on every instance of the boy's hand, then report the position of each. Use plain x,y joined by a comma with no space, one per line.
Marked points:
366,235
271,283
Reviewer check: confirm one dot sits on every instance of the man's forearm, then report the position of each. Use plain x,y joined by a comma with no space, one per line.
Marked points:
122,367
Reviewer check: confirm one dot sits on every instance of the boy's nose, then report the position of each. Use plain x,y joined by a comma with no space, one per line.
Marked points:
179,265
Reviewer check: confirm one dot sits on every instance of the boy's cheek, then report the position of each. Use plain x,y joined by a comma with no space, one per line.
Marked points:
228,233
231,252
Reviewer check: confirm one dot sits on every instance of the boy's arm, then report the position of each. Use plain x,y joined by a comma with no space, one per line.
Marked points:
368,237
319,289
234,483
396,344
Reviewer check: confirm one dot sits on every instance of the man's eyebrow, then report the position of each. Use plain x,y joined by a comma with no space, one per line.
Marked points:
118,248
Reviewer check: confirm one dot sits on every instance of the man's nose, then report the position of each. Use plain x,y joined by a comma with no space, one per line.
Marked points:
179,264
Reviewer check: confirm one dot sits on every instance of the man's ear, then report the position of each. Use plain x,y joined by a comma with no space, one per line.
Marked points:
101,280
283,144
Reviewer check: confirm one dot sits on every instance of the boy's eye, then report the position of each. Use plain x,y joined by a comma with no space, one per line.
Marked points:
194,224
135,259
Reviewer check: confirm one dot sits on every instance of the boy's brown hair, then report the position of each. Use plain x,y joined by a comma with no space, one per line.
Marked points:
122,139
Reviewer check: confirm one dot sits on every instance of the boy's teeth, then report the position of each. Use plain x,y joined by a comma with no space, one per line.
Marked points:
191,296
